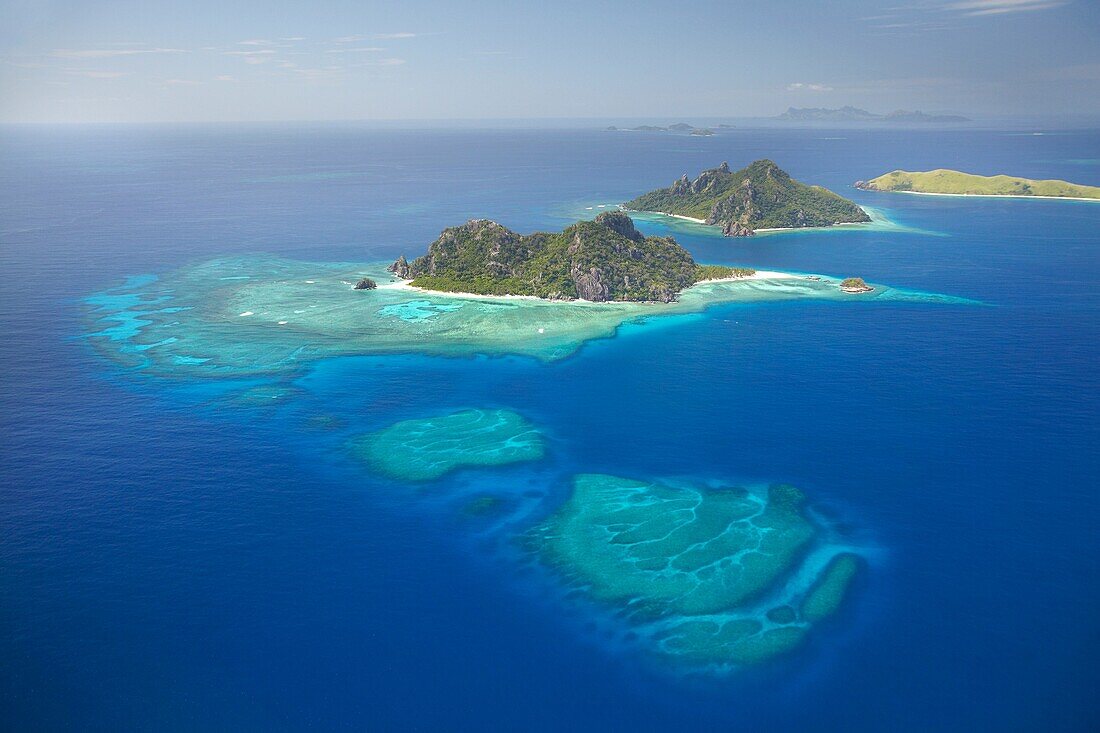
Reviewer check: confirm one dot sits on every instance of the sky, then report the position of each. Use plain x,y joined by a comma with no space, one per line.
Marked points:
230,60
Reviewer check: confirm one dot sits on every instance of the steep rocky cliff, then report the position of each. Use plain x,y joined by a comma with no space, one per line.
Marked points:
761,195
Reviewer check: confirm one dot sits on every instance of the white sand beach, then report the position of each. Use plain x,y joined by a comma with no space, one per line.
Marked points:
994,196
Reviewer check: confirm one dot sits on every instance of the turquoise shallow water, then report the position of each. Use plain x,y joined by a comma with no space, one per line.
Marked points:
187,541
282,315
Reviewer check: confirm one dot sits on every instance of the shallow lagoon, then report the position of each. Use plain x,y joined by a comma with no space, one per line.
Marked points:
255,315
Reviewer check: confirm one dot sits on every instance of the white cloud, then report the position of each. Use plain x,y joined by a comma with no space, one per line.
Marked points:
919,18
396,35
270,43
94,74
104,53
252,57
355,49
224,77
800,86
181,83
1000,7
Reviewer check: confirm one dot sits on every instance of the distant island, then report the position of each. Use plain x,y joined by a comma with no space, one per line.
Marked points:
759,196
602,260
955,183
855,114
676,127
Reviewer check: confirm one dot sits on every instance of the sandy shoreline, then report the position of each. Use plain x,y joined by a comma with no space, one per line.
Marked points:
665,213
681,216
407,285
804,229
758,275
989,196
764,229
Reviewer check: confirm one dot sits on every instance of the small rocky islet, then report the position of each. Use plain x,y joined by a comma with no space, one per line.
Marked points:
855,285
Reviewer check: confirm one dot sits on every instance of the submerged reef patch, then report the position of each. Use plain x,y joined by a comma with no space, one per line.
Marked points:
425,449
263,315
709,577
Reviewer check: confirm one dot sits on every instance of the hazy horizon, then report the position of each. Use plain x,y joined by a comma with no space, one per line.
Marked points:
127,61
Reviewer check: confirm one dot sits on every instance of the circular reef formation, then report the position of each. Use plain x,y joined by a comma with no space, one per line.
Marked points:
714,577
425,449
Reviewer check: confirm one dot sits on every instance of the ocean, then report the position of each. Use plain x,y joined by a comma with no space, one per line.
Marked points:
187,552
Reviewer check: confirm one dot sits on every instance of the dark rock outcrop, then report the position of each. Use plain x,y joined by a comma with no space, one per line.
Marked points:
400,267
366,284
620,223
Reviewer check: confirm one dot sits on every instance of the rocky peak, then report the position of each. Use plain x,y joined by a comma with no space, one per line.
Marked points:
767,168
400,267
620,223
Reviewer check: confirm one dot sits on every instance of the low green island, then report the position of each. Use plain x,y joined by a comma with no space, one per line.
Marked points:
714,576
947,182
761,196
855,285
427,448
607,259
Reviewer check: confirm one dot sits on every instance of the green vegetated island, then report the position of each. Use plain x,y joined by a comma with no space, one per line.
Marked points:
956,183
598,261
761,196
479,289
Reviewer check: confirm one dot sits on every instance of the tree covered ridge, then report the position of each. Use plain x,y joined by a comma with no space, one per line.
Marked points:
759,196
602,260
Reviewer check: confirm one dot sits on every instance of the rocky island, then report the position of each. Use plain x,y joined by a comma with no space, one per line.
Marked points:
602,260
948,182
675,127
855,114
854,285
759,196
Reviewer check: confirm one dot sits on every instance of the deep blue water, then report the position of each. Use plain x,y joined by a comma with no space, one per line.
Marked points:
173,560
